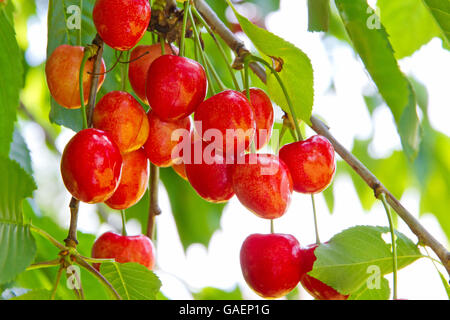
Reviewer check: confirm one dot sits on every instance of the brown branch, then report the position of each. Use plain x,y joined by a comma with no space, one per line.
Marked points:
318,126
153,209
71,240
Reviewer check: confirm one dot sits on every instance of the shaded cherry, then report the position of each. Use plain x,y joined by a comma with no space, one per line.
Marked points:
270,264
163,137
121,23
311,163
91,166
141,58
62,73
124,249
315,287
123,117
263,184
263,114
133,183
175,86
228,111
180,169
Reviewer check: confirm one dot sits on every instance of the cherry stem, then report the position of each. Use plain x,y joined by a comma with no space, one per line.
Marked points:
55,242
316,225
162,41
80,78
183,30
58,279
124,73
394,246
44,264
153,209
124,223
214,73
219,46
272,229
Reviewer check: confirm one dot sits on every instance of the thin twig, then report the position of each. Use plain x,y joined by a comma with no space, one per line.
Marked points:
154,208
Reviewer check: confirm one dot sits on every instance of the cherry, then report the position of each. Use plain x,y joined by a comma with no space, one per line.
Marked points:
228,111
123,117
210,175
133,183
160,142
263,113
270,263
91,166
62,73
175,86
263,184
315,287
311,163
180,169
141,58
124,249
121,23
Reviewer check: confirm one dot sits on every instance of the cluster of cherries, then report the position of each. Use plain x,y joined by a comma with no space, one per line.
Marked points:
109,162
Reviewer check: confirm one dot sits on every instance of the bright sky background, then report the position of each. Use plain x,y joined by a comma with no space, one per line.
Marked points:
218,266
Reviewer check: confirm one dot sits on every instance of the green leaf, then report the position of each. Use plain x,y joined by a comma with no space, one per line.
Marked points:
375,50
10,81
131,280
209,293
196,219
20,153
440,9
296,74
445,284
366,293
318,15
408,23
346,261
41,294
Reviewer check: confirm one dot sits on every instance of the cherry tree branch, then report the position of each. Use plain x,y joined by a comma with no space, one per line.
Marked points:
318,126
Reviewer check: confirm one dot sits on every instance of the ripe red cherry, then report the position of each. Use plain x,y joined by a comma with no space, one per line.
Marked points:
180,169
160,142
62,73
315,287
263,114
121,23
124,249
263,184
270,264
227,111
91,166
122,116
142,57
311,163
208,173
133,183
175,86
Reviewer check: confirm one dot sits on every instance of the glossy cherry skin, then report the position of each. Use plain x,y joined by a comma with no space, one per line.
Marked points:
263,114
142,57
316,288
121,23
91,166
270,264
263,184
133,183
162,140
311,162
122,116
180,169
62,73
210,175
227,111
175,86
124,249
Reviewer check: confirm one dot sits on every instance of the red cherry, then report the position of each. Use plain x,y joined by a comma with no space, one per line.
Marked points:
133,183
270,263
263,184
122,116
311,163
160,143
121,23
315,287
142,57
175,86
208,173
228,111
62,73
263,114
180,169
91,166
124,249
